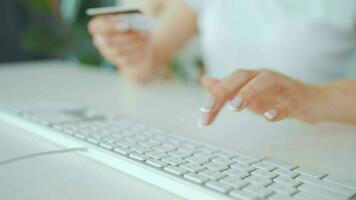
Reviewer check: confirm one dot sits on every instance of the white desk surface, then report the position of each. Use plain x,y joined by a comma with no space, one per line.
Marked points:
327,147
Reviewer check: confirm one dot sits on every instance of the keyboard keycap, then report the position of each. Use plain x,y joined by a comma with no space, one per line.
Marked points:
287,181
173,161
307,172
264,173
279,164
197,160
175,170
122,151
243,195
322,192
137,156
156,163
192,167
212,174
236,173
216,166
244,167
195,178
235,182
281,188
338,181
258,190
258,180
218,186
286,172
326,185
264,166
224,161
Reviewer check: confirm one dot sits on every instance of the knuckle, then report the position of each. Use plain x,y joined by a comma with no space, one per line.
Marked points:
242,73
256,106
220,92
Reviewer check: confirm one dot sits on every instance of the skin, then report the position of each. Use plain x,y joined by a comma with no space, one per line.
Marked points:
266,90
154,49
260,90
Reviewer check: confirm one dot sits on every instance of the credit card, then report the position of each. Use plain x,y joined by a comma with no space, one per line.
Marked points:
133,18
113,11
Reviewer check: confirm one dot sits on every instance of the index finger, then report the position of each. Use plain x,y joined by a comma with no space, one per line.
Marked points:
105,25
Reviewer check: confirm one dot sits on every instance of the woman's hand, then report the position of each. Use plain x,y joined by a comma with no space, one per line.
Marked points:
265,92
128,49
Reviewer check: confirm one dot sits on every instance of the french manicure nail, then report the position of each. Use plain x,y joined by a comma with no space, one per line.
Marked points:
271,114
236,103
122,26
203,120
208,104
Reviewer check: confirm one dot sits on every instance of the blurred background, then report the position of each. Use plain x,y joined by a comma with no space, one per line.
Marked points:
57,29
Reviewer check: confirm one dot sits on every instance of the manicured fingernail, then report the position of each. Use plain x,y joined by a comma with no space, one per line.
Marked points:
203,120
99,39
122,26
271,114
208,104
236,103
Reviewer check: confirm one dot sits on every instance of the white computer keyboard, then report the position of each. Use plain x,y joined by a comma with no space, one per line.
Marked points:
187,168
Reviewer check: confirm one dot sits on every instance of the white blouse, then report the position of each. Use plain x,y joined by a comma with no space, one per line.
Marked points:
310,40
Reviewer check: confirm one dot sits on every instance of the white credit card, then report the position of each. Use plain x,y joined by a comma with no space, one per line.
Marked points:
113,11
132,17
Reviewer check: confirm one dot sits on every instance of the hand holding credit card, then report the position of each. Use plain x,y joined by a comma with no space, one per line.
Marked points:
132,18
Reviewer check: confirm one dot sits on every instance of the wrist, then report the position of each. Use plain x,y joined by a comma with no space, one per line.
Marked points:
316,104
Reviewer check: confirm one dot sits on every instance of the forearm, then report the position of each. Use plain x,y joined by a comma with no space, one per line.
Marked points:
338,101
178,26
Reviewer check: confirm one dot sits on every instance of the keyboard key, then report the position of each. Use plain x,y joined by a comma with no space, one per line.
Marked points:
307,172
140,149
205,155
236,173
192,167
156,163
92,140
264,173
197,160
279,164
287,181
243,195
173,161
258,180
175,170
156,154
122,151
179,154
244,167
279,196
225,154
212,174
218,186
326,185
286,172
137,156
223,160
311,196
264,166
106,145
281,188
195,178
258,190
322,192
246,160
341,182
216,166
235,182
